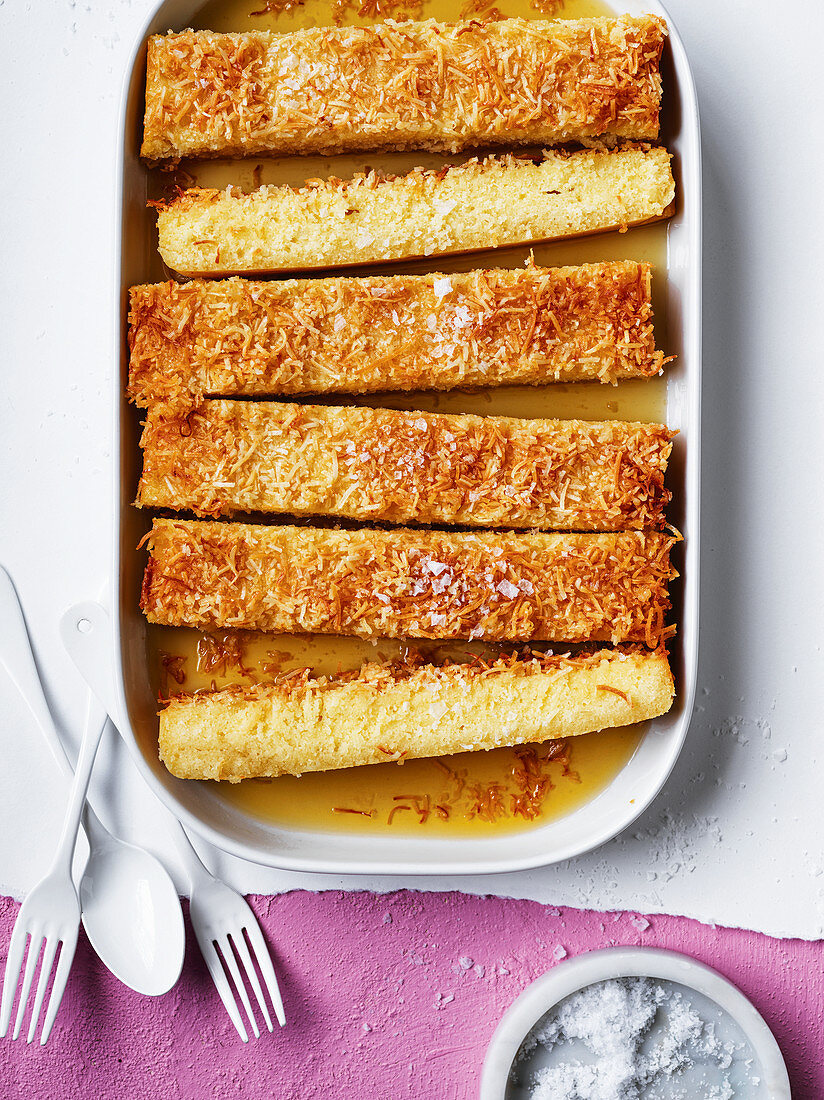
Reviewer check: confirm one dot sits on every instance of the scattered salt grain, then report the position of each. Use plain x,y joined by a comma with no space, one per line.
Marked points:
641,923
559,952
465,962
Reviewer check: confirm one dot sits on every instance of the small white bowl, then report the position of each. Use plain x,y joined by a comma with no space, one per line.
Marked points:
628,962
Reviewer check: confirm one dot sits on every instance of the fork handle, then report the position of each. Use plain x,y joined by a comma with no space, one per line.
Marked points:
77,797
17,657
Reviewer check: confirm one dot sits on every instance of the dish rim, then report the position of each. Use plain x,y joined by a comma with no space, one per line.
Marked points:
503,851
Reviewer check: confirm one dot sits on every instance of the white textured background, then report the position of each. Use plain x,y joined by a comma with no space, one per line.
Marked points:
736,837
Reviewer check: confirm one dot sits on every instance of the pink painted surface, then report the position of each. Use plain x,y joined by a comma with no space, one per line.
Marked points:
388,997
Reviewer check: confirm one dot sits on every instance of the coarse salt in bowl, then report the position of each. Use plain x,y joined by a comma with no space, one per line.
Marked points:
672,1028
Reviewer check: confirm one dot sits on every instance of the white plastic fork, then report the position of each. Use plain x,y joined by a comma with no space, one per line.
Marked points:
226,929
50,916
227,932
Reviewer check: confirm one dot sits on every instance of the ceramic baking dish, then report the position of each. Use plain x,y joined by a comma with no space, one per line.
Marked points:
198,805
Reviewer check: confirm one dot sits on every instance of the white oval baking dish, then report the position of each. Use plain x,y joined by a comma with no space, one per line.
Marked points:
635,787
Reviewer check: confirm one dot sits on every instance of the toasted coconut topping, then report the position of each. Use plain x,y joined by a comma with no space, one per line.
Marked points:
402,85
401,10
380,464
482,10
412,332
277,7
408,583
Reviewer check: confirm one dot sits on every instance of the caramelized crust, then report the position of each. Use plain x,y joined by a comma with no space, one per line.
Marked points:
301,724
371,218
409,583
403,332
402,467
427,85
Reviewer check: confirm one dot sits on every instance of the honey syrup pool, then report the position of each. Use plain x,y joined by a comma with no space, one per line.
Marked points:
470,793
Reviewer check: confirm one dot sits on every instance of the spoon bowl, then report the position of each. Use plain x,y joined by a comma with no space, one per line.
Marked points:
132,915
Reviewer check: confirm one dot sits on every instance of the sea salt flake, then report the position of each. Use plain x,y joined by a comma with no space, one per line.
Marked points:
508,589
442,287
465,962
559,952
434,567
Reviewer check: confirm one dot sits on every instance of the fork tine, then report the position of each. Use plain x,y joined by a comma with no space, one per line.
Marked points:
232,967
209,952
28,977
49,952
11,977
243,952
264,961
61,977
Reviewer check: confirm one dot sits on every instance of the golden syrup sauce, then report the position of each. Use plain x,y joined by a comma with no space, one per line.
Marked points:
314,801
236,15
366,797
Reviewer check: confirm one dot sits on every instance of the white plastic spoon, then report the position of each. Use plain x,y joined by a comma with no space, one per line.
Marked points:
131,911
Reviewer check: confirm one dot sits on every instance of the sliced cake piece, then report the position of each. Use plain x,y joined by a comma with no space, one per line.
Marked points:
402,86
499,586
395,713
405,467
472,206
230,337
